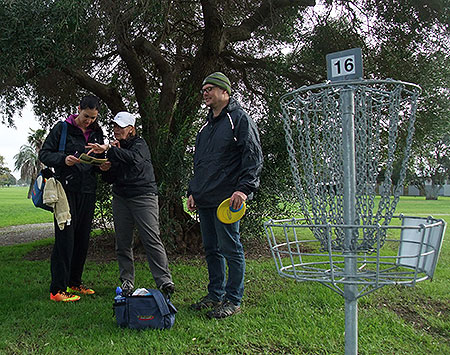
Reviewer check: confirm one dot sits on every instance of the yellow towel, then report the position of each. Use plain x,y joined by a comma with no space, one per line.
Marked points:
55,197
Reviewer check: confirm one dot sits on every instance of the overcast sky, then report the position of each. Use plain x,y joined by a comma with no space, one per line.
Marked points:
11,139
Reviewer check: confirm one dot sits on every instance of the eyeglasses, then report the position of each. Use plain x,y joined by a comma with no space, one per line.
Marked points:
208,89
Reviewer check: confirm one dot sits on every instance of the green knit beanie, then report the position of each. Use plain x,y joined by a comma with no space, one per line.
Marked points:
219,79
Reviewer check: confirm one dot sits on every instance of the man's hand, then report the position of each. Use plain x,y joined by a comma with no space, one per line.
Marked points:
71,160
97,148
105,166
191,204
237,199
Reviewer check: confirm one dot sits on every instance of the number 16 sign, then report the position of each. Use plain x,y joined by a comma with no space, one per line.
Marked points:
345,65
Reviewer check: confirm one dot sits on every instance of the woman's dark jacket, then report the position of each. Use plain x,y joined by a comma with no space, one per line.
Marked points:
131,170
227,157
79,177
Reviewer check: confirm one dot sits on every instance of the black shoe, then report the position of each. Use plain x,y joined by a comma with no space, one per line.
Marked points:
226,309
127,288
205,303
167,288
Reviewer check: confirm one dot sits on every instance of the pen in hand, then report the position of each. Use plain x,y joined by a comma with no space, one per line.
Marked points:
72,159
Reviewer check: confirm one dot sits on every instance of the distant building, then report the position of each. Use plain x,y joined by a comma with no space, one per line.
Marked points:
414,191
411,190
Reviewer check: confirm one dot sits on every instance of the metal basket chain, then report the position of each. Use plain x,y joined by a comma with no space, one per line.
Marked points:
364,168
293,162
411,105
393,116
315,147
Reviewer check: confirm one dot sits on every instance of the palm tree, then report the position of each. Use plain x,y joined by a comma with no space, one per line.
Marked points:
36,138
27,159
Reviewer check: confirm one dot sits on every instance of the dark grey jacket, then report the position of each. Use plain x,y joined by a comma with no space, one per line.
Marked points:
227,157
131,170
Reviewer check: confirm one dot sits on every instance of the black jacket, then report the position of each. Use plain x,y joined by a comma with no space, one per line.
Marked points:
131,170
79,177
227,157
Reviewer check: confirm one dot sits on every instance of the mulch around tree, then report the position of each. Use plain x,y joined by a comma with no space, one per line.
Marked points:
102,250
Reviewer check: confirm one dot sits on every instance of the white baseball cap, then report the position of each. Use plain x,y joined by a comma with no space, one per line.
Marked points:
124,119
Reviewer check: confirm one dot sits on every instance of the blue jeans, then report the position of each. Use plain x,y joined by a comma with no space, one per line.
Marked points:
221,243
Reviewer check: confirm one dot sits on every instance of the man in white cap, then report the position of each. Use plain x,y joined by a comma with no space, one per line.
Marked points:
124,119
135,201
227,164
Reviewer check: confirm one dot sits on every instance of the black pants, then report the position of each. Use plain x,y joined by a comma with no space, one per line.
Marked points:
71,243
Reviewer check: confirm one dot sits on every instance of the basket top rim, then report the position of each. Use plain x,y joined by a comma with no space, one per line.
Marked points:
350,83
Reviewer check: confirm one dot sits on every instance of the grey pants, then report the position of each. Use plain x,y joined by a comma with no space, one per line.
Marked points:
142,210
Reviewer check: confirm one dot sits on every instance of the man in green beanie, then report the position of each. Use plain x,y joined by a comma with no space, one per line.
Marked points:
218,79
227,164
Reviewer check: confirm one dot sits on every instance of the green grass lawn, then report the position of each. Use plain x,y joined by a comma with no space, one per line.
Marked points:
280,316
418,206
17,209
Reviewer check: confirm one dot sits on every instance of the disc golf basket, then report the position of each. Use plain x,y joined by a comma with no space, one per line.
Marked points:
349,141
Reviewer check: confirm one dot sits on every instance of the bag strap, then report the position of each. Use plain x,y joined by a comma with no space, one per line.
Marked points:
47,172
63,138
160,301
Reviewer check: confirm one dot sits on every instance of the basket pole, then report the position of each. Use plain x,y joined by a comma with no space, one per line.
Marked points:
349,215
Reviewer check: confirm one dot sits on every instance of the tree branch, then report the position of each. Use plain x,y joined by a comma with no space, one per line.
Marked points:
213,40
137,73
146,48
107,94
240,62
204,63
260,17
167,96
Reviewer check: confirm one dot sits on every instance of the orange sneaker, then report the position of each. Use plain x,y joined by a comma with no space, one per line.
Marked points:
80,289
62,296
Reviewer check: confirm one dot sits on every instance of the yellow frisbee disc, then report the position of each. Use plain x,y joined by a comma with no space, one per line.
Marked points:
227,214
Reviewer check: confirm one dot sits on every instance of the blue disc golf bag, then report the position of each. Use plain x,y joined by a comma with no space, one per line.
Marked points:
153,310
37,192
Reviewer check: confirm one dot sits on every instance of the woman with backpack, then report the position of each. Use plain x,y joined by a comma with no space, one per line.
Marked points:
79,183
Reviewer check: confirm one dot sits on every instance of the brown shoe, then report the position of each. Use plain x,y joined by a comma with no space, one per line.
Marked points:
226,309
205,303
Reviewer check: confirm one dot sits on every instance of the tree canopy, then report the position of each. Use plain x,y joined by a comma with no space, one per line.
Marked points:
150,57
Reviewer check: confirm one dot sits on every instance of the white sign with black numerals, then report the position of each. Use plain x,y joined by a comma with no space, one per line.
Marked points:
345,65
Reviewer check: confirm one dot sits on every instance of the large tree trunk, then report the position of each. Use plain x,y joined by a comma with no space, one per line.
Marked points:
180,227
